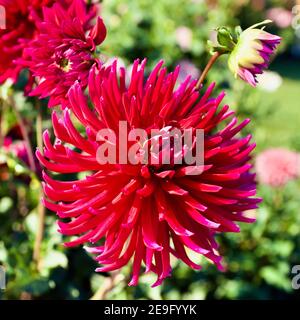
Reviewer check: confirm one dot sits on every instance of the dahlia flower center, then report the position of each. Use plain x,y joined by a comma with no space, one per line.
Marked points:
65,64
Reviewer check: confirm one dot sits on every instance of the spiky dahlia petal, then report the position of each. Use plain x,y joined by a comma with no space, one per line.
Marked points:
144,213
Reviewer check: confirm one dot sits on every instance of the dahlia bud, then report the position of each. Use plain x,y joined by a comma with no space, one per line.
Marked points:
249,50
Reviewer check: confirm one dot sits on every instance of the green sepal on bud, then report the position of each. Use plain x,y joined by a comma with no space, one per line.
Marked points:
224,37
226,40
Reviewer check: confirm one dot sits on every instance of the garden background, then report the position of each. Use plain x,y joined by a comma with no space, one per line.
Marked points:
259,259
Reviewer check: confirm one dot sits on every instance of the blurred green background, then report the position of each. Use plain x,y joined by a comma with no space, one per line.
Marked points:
260,258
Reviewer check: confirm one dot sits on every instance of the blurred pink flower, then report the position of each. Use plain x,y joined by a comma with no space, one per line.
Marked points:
19,150
275,167
187,68
16,148
184,37
280,16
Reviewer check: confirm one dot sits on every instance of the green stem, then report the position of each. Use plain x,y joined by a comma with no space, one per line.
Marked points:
211,62
39,126
41,209
110,282
1,123
25,134
40,233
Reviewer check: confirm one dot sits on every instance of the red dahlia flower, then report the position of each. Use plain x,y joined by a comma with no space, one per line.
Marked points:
142,212
21,18
63,50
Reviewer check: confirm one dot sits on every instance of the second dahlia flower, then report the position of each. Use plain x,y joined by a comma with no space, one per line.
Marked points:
141,212
21,17
64,50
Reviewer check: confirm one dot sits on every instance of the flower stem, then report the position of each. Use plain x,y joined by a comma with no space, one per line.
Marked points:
41,208
1,122
39,126
25,134
109,283
39,234
212,60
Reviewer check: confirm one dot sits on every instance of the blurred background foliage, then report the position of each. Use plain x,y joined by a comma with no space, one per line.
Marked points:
258,259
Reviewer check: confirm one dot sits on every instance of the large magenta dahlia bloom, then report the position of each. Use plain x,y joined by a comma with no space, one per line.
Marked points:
141,212
63,51
21,19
